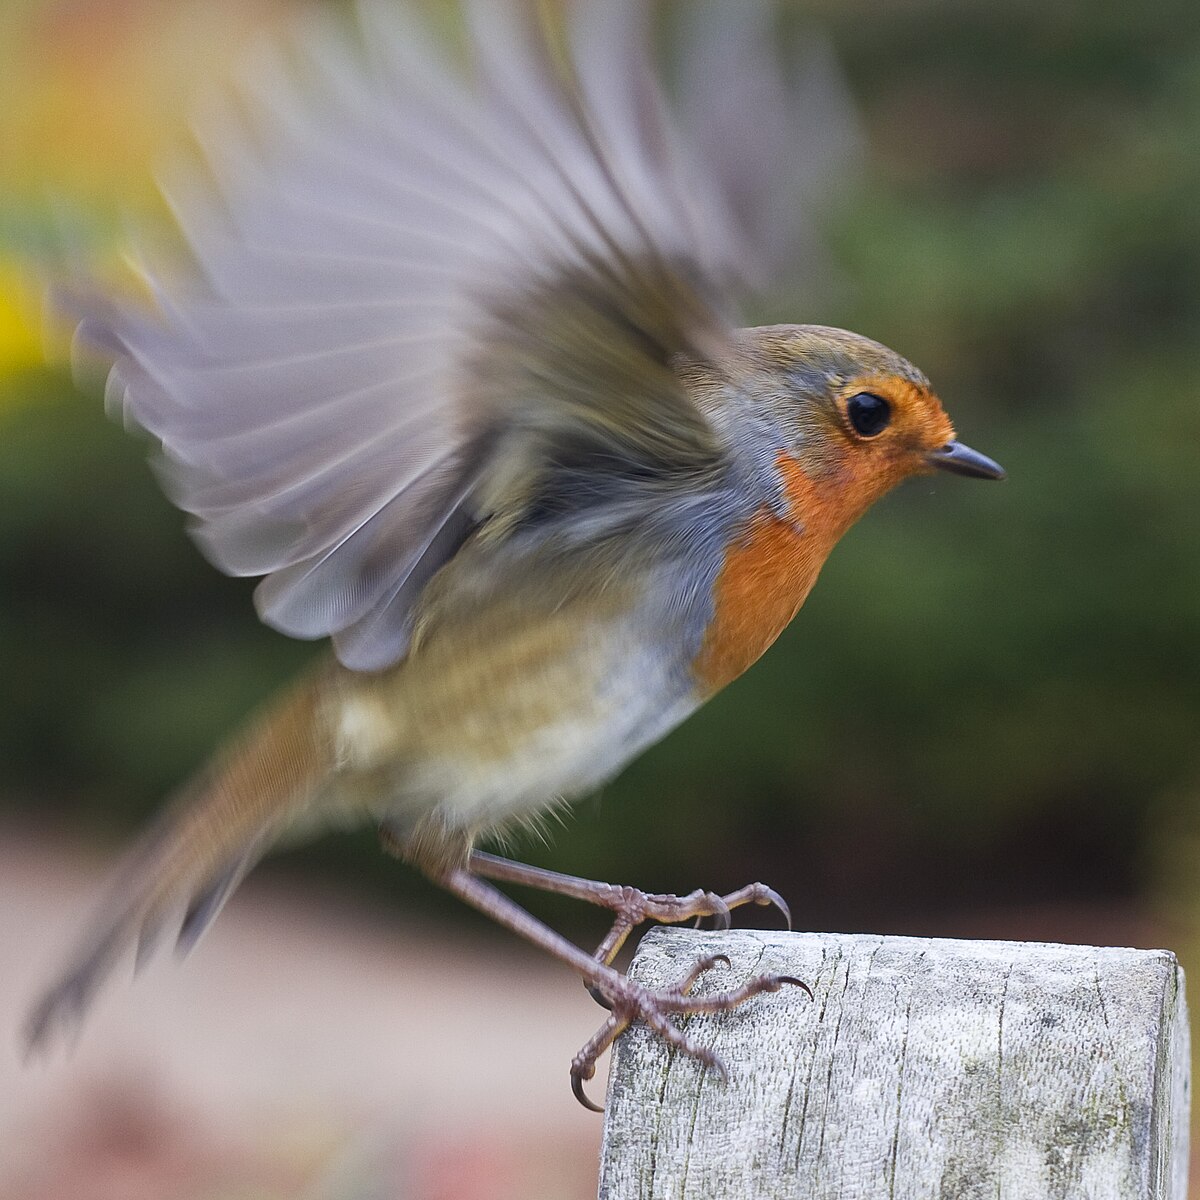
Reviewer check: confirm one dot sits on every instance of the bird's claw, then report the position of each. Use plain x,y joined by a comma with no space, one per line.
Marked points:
753,893
628,1002
632,907
577,1081
764,897
702,965
597,995
773,898
796,983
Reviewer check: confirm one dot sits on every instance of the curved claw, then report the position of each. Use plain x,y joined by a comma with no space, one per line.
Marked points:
582,1096
716,1063
599,997
722,919
798,983
772,897
699,968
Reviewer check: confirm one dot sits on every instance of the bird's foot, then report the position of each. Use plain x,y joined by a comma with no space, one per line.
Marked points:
628,1001
632,907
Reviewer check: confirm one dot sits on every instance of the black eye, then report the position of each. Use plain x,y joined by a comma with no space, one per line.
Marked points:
868,414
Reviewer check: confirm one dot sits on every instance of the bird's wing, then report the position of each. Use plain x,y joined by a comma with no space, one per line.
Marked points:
405,287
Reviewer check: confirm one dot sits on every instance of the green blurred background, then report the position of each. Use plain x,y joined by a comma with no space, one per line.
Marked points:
985,720
992,696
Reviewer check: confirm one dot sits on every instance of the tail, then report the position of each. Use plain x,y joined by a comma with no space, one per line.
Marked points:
184,868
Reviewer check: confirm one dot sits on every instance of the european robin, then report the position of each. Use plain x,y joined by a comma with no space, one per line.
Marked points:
449,366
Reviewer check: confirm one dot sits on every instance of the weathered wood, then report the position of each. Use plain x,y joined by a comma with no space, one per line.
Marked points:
923,1068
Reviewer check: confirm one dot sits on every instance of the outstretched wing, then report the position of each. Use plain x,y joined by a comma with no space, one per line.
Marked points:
405,288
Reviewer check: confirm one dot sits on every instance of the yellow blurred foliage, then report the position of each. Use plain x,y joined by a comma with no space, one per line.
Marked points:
20,321
93,91
93,95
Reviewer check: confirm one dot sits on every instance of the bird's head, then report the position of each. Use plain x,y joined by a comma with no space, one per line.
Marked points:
854,415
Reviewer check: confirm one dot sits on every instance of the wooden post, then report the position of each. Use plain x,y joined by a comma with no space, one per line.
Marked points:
938,1069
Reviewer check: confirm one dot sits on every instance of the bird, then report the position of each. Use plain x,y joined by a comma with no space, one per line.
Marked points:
448,358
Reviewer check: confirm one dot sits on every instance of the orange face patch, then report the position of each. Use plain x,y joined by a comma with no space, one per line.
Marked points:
916,412
768,574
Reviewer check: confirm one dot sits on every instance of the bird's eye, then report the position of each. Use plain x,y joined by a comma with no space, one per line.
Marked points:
869,414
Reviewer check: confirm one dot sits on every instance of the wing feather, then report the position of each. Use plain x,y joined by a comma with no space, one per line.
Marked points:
405,286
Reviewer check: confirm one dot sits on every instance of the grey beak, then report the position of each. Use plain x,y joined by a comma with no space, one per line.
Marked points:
962,460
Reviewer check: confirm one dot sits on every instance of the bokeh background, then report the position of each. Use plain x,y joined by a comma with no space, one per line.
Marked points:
984,723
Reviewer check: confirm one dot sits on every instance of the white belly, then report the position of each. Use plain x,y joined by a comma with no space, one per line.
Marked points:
519,743
563,760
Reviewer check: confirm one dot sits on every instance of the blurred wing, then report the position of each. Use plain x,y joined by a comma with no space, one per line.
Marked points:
741,85
406,292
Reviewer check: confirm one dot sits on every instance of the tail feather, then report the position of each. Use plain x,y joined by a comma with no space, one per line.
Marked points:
205,905
184,868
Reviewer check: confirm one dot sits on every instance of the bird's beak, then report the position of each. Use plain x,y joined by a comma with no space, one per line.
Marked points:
962,460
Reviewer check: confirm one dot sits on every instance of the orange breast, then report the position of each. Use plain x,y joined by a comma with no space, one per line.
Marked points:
768,574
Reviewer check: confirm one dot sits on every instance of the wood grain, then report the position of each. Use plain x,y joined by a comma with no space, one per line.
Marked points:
922,1068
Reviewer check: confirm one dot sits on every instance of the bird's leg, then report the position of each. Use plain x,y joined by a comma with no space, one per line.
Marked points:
627,1000
631,905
